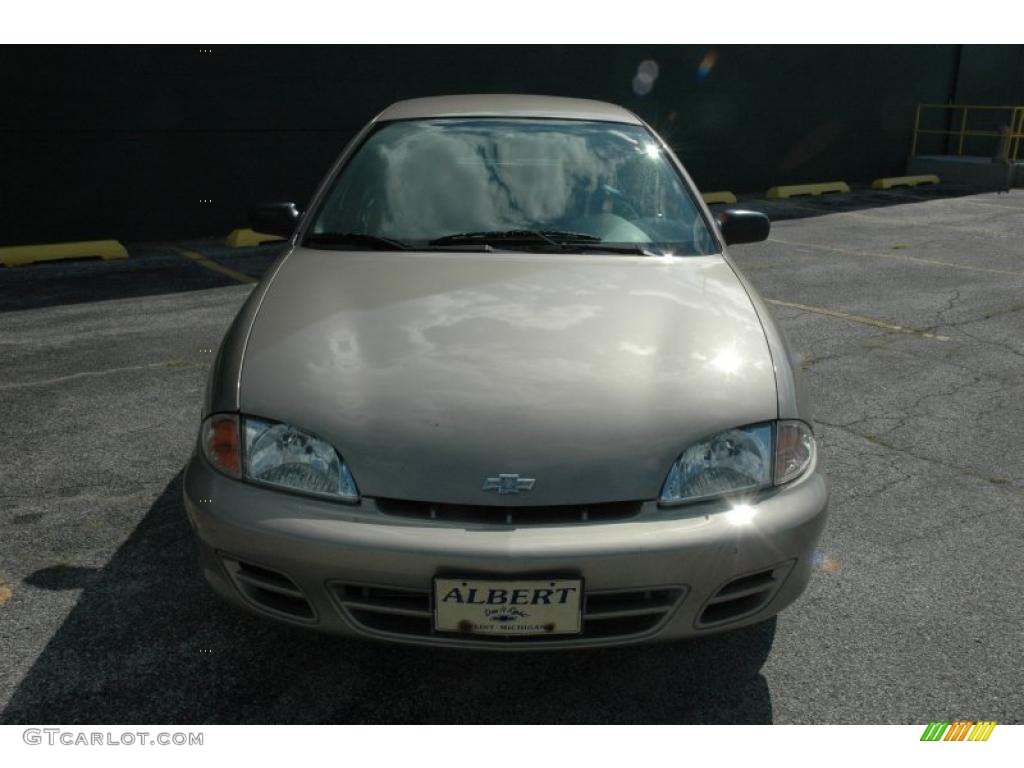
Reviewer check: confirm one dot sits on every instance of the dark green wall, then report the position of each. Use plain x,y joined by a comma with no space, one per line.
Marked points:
124,141
991,74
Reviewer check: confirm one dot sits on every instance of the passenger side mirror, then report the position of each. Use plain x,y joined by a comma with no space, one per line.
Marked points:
743,226
274,218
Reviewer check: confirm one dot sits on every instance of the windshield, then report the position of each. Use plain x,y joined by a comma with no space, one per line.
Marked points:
529,184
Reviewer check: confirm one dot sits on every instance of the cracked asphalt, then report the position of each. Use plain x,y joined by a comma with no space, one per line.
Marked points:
907,311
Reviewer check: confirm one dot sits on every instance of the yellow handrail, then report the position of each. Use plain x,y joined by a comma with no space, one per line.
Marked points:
1015,125
1016,135
968,106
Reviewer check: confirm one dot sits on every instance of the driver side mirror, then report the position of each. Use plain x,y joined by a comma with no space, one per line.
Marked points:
274,218
743,226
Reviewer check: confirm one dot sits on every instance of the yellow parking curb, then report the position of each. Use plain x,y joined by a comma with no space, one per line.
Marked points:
794,190
18,255
243,238
904,181
718,197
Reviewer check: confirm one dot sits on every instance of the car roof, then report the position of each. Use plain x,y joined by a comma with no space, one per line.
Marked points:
507,105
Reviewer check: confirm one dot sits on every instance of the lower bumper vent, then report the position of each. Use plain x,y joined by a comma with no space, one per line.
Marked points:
270,590
408,613
744,596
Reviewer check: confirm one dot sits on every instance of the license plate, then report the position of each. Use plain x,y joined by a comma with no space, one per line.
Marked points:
504,607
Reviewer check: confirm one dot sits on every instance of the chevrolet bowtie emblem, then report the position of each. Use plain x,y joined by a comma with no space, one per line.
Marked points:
508,484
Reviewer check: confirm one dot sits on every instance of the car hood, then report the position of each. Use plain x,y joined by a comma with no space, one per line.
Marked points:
431,372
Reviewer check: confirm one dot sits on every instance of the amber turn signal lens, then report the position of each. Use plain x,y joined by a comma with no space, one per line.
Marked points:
222,443
794,449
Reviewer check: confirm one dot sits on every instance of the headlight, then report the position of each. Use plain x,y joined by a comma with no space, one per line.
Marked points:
276,454
731,461
742,459
281,455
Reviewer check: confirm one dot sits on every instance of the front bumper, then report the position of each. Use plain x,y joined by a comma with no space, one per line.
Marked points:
663,574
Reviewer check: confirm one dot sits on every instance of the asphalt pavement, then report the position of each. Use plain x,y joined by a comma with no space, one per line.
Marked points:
907,311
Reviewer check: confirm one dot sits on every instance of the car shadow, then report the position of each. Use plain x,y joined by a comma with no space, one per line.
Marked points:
858,198
152,269
148,642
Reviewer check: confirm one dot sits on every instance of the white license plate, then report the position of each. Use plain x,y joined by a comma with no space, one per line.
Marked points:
504,607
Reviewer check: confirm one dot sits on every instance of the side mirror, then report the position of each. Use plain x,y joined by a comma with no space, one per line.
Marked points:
743,226
274,218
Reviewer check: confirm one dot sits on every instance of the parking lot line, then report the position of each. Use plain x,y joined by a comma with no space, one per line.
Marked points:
174,363
909,195
987,204
246,238
860,319
203,261
901,257
896,222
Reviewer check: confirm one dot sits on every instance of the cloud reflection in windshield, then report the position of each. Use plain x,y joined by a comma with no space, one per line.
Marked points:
419,180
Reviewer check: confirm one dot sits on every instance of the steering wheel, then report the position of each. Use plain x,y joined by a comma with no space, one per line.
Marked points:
616,198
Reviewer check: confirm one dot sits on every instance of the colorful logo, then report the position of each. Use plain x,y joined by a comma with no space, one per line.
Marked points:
958,730
505,614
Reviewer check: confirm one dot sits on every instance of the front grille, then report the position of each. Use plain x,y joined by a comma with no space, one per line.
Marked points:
507,515
269,590
408,613
743,596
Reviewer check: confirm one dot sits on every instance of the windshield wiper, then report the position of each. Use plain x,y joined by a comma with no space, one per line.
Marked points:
556,238
637,249
572,242
360,239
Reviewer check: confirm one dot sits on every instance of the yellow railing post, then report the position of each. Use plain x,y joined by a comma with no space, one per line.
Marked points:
1018,130
1014,129
1020,133
917,126
963,129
